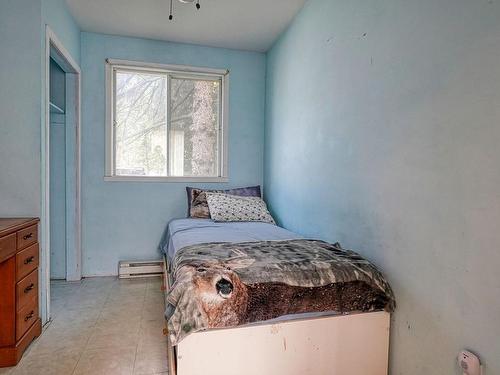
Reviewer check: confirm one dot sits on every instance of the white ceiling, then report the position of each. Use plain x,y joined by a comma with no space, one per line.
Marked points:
240,24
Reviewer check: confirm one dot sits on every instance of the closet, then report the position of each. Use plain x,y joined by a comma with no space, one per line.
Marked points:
57,106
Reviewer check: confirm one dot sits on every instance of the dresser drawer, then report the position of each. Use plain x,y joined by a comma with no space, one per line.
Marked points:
26,261
26,317
7,246
27,236
27,290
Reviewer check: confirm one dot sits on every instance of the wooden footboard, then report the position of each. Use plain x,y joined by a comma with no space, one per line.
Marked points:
356,344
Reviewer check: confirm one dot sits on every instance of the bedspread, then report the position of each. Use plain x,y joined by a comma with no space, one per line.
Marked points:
229,284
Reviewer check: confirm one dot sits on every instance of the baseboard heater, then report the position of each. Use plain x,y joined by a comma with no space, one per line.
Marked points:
135,269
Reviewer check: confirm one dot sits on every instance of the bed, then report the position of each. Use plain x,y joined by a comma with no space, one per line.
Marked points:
350,339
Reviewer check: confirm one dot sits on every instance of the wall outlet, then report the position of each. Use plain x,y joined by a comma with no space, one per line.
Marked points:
469,363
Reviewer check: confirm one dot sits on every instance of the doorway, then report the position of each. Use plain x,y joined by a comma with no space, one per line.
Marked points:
60,222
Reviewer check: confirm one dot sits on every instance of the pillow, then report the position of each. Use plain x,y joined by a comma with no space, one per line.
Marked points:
226,207
197,200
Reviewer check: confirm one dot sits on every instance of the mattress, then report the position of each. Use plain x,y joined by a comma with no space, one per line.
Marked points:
187,232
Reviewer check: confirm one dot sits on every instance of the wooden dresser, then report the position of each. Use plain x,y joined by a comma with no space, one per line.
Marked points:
19,318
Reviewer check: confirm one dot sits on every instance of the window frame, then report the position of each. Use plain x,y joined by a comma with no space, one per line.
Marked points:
172,71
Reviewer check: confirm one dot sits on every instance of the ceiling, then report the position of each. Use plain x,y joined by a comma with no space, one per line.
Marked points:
240,24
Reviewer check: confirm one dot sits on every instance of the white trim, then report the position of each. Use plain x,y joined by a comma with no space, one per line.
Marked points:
172,71
44,290
67,63
163,179
168,68
109,132
224,163
54,48
73,219
168,154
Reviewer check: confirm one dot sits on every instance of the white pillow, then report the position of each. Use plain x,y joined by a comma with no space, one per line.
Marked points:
226,207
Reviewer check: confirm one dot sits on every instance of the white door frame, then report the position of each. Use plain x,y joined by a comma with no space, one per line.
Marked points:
56,50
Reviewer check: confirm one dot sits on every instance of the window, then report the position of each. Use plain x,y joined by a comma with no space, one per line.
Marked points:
166,123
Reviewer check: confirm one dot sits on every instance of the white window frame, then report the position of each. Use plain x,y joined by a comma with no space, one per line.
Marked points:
177,71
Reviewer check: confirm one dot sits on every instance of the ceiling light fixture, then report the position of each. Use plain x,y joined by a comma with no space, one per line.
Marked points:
171,15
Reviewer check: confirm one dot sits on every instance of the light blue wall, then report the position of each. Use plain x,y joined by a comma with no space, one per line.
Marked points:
20,80
123,220
382,132
22,96
55,13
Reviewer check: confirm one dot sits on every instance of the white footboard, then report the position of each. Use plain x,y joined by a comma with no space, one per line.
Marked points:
356,344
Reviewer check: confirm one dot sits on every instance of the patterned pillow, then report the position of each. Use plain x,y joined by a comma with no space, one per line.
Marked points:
226,207
197,200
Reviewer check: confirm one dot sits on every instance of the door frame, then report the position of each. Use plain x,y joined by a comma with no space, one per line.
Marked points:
55,49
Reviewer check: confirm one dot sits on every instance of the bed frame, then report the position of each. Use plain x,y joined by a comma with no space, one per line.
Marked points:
355,344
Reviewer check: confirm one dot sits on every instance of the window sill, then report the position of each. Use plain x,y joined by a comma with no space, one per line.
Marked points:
164,179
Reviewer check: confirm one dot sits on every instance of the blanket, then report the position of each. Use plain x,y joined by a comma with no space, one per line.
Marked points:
219,285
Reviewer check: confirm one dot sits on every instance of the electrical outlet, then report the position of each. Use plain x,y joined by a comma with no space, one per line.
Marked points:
469,363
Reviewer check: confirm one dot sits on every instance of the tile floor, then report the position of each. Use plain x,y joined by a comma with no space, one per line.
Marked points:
99,326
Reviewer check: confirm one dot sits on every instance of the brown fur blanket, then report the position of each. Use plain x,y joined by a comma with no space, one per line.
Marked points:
229,284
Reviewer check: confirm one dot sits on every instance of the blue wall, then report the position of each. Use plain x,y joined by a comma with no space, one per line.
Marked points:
125,220
20,67
22,96
55,13
382,132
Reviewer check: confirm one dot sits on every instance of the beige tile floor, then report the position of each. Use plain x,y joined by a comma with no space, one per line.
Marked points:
100,326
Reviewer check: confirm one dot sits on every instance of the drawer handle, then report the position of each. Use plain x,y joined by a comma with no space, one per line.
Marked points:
29,316
29,288
29,235
29,260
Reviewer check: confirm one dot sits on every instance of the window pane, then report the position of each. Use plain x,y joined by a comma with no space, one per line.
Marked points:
194,127
140,127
